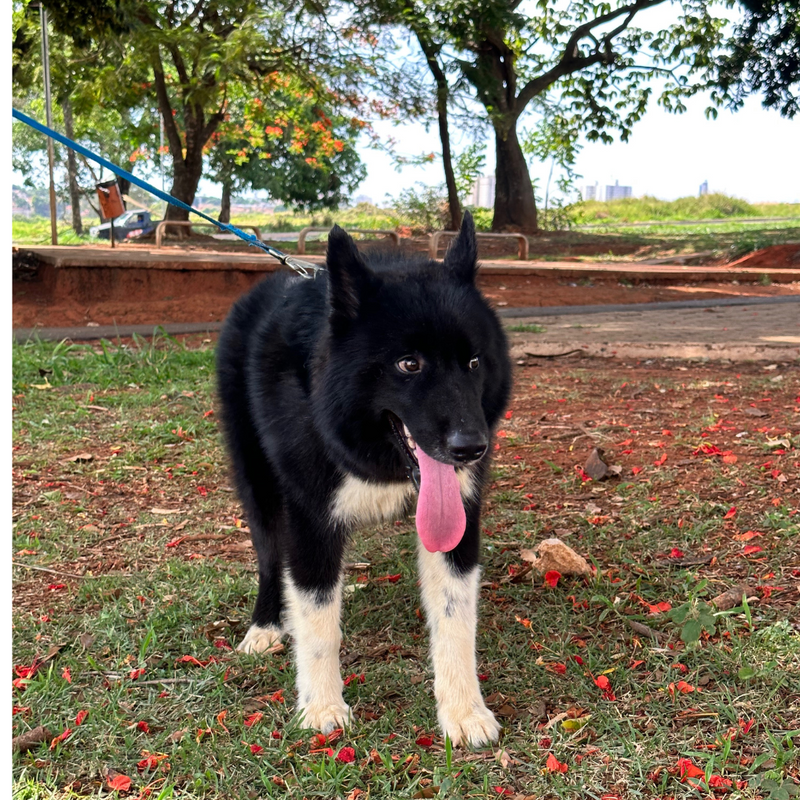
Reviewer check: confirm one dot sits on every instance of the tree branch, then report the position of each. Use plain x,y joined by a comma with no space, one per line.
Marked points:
173,134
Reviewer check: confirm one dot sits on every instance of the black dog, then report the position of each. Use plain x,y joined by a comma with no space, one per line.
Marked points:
347,399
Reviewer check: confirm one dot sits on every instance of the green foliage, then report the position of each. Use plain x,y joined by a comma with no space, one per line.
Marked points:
423,207
694,617
709,206
468,166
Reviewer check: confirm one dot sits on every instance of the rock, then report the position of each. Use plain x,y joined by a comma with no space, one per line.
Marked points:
553,554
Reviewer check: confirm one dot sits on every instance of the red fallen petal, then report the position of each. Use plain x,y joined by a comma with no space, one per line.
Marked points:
551,578
20,710
354,677
277,697
347,755
63,736
684,688
424,741
687,769
318,740
676,553
175,542
276,734
122,783
143,726
730,513
509,413
255,749
636,470
136,673
602,682
559,669
55,587
746,536
502,790
253,719
660,608
750,549
554,765
717,781
660,461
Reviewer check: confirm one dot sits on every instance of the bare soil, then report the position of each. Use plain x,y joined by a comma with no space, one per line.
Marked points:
31,306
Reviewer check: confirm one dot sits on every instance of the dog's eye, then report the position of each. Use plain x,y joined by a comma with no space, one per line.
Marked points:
474,362
409,365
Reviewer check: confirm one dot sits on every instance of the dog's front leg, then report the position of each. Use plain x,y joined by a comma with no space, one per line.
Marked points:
313,619
451,607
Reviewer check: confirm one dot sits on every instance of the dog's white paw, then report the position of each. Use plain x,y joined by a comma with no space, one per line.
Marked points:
474,725
326,717
258,639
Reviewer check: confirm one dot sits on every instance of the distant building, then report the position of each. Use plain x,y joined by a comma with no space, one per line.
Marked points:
590,192
482,194
703,188
617,192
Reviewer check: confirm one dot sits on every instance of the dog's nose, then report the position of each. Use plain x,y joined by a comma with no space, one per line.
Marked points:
467,446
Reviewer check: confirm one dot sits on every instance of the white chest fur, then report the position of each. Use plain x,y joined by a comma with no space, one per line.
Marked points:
359,502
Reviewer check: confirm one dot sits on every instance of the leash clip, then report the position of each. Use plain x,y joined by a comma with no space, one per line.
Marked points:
305,269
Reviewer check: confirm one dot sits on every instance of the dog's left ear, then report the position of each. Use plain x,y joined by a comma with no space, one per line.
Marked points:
349,276
461,257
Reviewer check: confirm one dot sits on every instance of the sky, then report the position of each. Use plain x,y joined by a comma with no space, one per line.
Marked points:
753,154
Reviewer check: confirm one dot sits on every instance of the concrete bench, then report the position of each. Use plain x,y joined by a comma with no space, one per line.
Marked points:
165,223
433,241
301,239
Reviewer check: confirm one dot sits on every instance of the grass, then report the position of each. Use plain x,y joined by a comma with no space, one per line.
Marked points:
526,328
145,516
651,209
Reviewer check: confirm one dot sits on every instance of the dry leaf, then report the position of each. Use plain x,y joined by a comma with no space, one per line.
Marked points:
30,739
595,467
81,458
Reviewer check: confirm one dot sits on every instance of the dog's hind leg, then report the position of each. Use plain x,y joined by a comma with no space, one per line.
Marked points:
313,582
449,583
264,512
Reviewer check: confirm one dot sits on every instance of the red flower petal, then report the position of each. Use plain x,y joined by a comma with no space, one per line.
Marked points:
554,765
551,578
347,755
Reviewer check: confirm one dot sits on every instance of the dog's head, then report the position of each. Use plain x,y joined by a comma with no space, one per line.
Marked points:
415,371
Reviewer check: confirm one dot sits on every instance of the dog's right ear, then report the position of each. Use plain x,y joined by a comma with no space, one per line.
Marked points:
348,275
461,257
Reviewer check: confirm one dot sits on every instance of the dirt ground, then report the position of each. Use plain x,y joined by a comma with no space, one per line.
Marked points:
31,306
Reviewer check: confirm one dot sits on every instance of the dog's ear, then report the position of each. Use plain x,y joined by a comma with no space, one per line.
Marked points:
348,274
461,258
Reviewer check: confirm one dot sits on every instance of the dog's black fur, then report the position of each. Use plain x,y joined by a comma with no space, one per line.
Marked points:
308,380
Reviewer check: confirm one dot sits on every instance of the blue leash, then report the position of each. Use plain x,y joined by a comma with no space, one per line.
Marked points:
303,268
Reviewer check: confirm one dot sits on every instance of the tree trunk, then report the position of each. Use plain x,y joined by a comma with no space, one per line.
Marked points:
225,207
184,186
454,204
431,52
514,204
72,170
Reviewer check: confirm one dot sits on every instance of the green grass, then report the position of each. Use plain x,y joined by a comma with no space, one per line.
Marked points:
141,412
526,328
651,209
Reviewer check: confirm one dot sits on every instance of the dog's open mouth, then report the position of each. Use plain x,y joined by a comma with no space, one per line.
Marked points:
441,519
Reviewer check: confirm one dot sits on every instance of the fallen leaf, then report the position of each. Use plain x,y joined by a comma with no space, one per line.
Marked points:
118,781
595,467
554,765
30,739
81,458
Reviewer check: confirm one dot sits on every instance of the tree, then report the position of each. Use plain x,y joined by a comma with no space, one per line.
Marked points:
101,107
762,56
198,54
584,57
292,143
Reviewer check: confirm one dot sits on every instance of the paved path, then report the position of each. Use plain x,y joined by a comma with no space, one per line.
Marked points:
752,329
735,332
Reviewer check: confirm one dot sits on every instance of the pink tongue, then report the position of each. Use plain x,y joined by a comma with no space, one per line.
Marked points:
441,519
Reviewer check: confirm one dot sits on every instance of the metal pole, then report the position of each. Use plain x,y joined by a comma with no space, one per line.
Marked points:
49,110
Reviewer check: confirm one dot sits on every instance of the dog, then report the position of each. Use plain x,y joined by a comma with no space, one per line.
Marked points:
346,400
